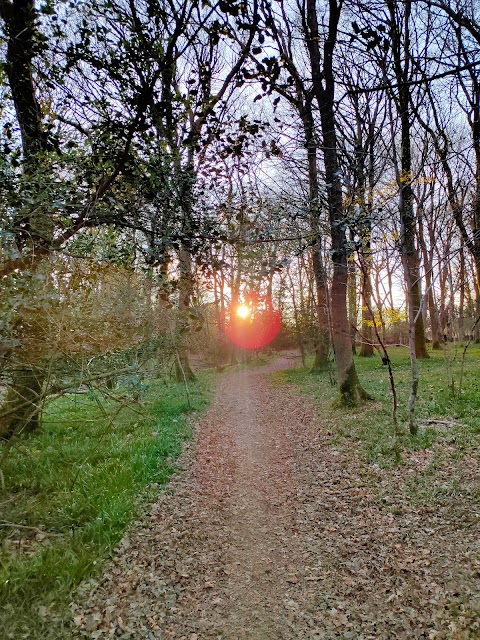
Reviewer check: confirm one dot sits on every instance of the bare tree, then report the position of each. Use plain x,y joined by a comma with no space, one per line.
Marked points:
323,87
297,92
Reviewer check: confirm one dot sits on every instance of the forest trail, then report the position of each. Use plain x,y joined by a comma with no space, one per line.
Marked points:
269,533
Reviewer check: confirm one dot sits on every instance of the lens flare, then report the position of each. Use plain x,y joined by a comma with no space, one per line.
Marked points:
253,324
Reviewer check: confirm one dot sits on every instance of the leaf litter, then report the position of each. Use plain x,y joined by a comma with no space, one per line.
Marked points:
270,531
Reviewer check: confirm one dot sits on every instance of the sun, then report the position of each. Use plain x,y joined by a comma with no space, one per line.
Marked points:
243,311
252,324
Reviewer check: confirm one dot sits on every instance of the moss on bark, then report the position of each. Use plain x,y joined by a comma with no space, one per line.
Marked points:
183,370
351,391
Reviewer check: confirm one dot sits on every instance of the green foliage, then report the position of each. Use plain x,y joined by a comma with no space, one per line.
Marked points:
77,485
371,425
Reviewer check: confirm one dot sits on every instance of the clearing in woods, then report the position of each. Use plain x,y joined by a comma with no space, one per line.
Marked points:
270,531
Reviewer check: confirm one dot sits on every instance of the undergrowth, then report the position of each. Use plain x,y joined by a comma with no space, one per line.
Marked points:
73,487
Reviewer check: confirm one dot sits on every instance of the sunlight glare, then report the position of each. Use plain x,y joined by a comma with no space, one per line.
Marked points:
243,311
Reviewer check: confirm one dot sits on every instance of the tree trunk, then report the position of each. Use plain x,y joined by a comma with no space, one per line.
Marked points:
298,330
366,204
21,36
235,299
412,397
476,331
401,58
432,309
451,304
22,403
380,305
352,303
409,251
351,392
183,370
367,350
322,340
475,123
20,17
442,281
428,267
461,300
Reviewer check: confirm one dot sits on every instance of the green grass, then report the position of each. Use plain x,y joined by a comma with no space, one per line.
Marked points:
371,424
80,481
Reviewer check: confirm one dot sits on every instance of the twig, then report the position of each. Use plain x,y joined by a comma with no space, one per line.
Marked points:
59,390
14,525
179,362
449,423
124,400
388,362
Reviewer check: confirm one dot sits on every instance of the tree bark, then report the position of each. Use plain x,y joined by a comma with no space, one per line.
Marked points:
461,300
352,303
19,18
183,370
366,349
303,103
476,206
366,204
428,267
351,392
476,330
298,330
410,259
322,341
22,403
20,29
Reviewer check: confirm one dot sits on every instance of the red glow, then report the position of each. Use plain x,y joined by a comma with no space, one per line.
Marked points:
258,328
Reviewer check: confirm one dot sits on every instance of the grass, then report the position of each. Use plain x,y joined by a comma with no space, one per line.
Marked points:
74,487
371,424
431,493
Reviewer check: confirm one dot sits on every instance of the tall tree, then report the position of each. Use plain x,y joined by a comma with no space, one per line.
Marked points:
399,18
296,90
361,139
20,19
323,87
112,93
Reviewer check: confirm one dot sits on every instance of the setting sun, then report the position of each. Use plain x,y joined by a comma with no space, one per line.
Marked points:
243,311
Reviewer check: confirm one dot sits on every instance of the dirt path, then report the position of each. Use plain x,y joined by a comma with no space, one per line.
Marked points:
250,427
269,533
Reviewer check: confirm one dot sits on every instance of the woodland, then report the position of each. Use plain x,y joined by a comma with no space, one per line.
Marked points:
173,172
